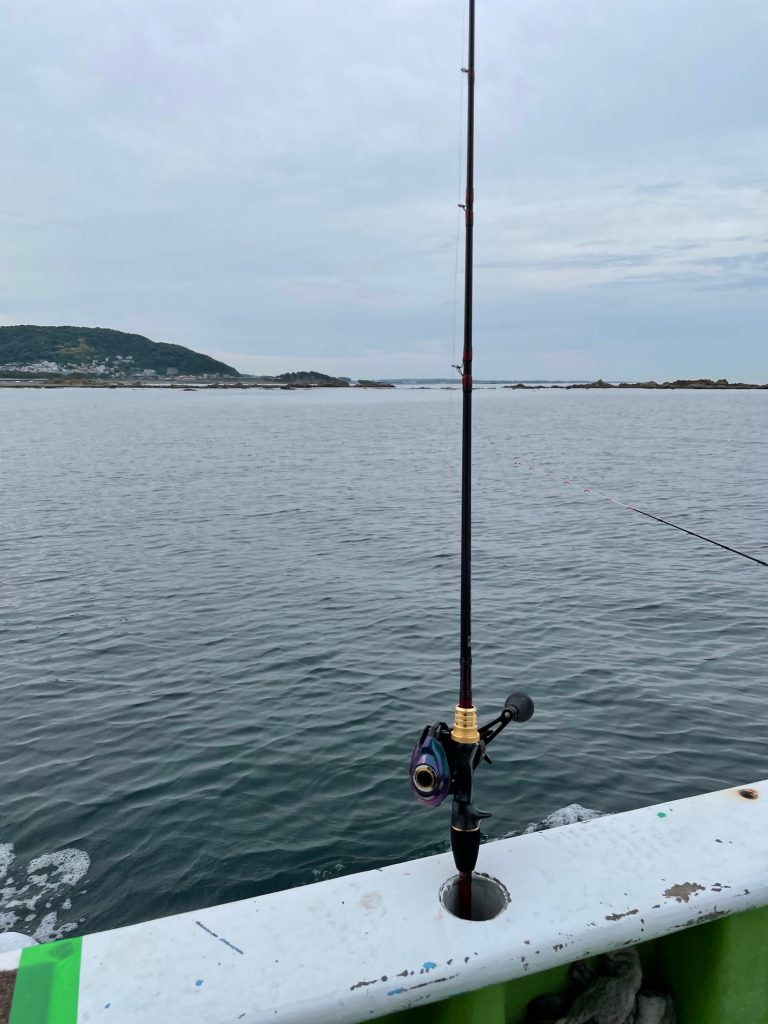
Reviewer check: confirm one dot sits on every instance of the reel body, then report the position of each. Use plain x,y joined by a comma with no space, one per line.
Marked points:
444,759
431,770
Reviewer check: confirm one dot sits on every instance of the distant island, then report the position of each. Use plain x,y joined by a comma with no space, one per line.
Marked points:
98,357
700,384
98,352
314,379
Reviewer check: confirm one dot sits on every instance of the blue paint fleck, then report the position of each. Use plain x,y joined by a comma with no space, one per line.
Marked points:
396,992
429,966
199,982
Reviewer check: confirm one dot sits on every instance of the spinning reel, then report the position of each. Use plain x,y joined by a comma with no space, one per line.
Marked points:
443,762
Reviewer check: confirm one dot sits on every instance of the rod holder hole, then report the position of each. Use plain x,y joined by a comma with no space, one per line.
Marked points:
749,794
489,897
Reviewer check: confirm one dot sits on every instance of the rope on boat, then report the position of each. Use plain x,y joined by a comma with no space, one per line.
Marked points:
631,508
610,991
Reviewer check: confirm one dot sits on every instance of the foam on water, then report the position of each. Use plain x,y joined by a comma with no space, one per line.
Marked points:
324,874
6,856
70,866
569,815
39,893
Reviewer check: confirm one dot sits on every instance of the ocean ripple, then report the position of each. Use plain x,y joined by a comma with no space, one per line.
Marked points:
223,626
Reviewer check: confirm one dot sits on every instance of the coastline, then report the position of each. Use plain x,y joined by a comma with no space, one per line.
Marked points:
190,384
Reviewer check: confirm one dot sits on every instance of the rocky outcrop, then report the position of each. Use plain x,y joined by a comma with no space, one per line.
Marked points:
700,384
599,383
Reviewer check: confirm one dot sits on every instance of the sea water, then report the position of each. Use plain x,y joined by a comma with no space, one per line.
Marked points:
225,617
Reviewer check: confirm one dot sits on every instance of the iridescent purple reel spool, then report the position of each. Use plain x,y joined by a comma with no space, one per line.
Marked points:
430,772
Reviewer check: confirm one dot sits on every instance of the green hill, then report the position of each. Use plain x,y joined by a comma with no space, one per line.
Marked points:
98,351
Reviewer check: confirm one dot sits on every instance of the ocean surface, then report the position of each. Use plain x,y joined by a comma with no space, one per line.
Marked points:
224,618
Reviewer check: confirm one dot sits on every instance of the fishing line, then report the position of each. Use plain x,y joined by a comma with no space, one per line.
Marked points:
631,508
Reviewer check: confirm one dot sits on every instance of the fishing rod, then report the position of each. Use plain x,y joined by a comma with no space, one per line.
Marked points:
444,759
518,464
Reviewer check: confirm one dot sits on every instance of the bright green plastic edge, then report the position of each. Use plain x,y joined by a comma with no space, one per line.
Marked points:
717,973
47,983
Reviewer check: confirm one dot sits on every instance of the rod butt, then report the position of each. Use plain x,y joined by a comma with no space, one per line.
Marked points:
465,895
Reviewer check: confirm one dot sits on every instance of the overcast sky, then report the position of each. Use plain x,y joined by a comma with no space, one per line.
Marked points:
276,184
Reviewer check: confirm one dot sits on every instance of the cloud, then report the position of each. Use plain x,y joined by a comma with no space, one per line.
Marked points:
282,182
659,188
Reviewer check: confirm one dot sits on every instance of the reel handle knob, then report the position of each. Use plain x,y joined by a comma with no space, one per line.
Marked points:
519,706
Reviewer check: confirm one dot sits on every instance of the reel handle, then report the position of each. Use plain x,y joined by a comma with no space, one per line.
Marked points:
520,707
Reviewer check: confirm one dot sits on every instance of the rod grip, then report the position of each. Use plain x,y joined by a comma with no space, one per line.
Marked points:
465,847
